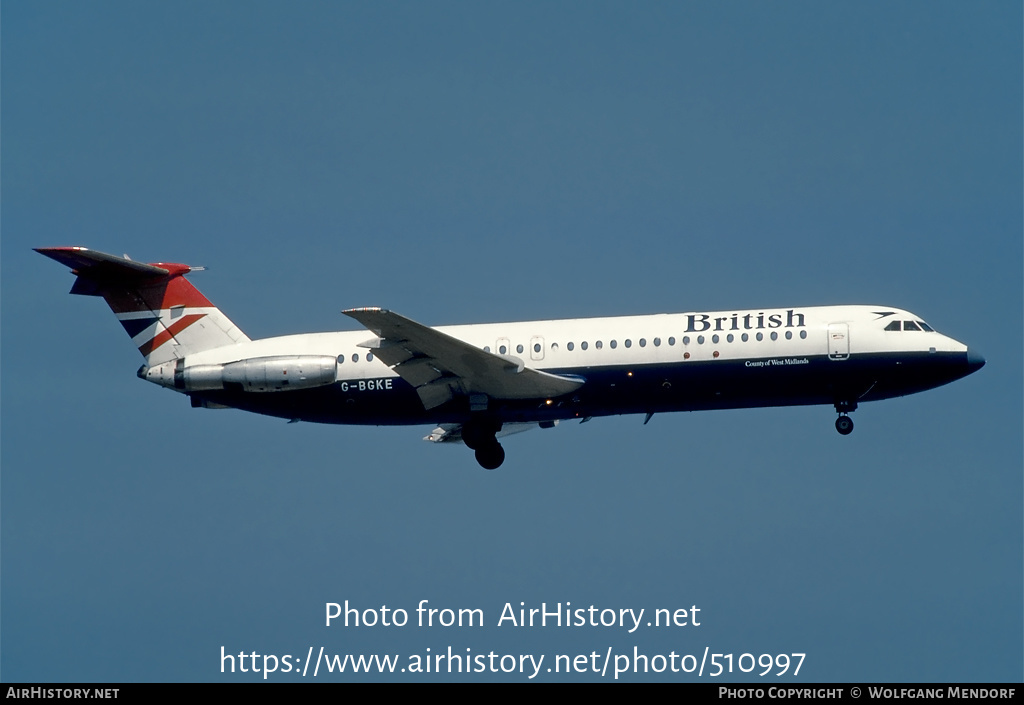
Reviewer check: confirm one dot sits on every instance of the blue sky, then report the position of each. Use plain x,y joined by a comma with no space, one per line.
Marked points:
468,162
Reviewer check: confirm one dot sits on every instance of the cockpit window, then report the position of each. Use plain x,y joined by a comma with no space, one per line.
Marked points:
910,325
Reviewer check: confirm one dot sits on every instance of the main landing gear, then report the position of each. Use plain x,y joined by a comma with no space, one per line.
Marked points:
844,424
479,435
490,456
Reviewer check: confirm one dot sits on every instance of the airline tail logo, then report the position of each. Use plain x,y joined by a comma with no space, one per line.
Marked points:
165,316
155,313
149,332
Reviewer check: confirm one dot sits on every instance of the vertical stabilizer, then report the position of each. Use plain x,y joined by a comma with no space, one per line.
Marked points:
165,316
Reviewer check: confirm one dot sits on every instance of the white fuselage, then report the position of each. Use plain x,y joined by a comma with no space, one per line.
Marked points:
629,340
698,360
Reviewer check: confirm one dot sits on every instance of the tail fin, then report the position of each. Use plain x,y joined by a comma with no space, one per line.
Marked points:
165,316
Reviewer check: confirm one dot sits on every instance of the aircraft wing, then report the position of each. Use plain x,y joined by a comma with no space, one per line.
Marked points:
452,432
440,366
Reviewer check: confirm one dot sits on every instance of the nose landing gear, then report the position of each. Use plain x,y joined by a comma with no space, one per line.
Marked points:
844,424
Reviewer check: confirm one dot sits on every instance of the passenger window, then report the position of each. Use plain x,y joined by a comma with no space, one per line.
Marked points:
369,357
760,337
671,340
487,348
789,335
714,338
700,340
598,345
745,337
629,343
657,342
355,358
803,334
775,336
895,325
341,359
569,346
536,347
519,348
583,345
729,338
503,350
643,342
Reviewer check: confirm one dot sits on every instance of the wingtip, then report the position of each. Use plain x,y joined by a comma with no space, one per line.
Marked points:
48,251
362,309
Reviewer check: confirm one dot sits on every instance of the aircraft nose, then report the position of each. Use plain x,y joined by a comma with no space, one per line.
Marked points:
974,361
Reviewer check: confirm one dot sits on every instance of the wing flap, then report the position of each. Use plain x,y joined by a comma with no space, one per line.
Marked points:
418,371
436,393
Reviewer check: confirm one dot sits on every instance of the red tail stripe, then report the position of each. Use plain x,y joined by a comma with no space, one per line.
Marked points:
169,332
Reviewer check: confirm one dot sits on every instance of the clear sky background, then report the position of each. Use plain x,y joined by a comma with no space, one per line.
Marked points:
464,162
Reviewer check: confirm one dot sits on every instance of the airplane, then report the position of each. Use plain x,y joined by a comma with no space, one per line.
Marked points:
482,382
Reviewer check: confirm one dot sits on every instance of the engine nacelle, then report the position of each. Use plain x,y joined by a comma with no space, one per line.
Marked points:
258,374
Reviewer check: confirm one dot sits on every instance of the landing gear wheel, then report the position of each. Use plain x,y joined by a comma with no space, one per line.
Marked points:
844,424
479,432
490,456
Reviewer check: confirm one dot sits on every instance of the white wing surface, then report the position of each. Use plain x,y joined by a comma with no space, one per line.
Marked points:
441,366
452,432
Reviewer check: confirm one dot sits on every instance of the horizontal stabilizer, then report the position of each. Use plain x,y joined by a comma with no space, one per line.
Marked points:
101,266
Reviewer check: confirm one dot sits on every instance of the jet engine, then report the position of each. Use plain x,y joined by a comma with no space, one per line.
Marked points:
258,374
